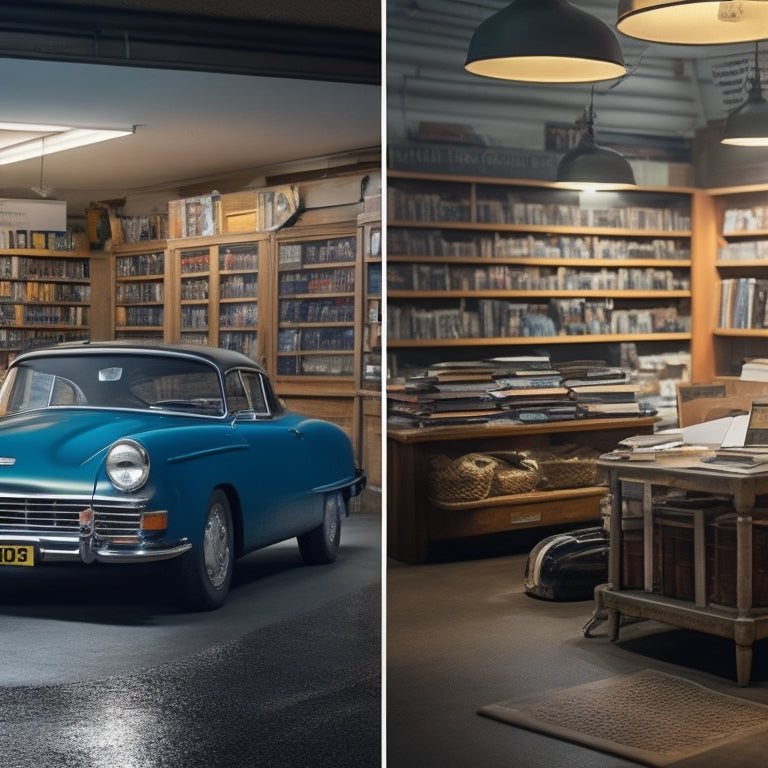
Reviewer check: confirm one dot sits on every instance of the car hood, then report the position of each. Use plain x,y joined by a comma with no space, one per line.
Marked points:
63,448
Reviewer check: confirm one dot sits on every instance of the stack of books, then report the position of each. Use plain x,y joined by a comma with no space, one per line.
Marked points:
601,390
523,389
529,389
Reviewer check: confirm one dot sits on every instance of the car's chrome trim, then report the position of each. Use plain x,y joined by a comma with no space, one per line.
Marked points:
355,484
85,549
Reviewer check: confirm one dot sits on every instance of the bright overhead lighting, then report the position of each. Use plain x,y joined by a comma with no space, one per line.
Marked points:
694,22
53,138
548,41
747,126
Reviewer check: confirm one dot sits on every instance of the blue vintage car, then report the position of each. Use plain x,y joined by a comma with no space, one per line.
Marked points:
125,453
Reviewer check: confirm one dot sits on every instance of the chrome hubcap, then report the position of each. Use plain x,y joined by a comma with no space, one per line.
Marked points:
217,546
331,518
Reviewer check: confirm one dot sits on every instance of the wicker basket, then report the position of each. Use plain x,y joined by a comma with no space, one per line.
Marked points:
468,478
518,476
559,471
478,476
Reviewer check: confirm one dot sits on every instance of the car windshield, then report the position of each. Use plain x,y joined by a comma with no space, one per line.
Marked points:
113,381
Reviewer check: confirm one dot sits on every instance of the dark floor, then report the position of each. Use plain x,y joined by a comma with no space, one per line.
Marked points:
462,633
100,669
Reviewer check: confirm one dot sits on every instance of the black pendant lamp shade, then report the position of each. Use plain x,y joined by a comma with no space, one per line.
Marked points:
694,22
589,166
747,126
548,41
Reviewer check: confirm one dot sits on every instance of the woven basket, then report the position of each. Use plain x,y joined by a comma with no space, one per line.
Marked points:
468,478
522,476
566,472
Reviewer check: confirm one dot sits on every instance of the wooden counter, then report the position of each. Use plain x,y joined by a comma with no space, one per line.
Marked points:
413,522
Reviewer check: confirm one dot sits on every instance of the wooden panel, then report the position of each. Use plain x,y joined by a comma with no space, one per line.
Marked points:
338,410
531,510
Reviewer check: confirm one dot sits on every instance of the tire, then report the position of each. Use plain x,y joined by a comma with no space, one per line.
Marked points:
320,546
205,571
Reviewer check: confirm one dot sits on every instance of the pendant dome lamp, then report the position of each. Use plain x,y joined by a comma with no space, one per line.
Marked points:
747,125
591,167
545,41
694,22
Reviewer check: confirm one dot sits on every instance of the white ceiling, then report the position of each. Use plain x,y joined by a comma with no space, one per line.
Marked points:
669,92
191,126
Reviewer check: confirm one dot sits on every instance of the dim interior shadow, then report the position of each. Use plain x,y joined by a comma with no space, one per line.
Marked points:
501,544
697,651
128,595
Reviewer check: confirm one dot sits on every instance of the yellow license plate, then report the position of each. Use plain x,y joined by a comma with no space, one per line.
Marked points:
17,554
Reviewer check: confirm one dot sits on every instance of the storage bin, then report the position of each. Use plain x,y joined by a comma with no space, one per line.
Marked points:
721,560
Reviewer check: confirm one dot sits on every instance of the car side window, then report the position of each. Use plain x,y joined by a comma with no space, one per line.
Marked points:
255,388
237,399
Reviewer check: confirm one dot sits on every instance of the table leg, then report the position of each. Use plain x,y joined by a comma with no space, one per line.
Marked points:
743,664
614,623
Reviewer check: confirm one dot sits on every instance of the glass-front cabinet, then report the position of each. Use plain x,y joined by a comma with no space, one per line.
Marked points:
316,306
238,290
194,295
141,289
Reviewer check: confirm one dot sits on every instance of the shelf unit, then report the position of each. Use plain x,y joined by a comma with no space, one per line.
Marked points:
293,300
368,414
45,297
316,305
477,262
217,282
142,290
414,524
734,247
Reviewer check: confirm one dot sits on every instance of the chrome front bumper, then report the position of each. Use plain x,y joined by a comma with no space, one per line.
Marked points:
89,549
74,528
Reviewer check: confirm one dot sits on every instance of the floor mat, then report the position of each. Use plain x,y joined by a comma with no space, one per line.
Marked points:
649,717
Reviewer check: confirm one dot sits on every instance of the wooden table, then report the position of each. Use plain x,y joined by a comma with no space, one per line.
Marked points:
743,623
413,522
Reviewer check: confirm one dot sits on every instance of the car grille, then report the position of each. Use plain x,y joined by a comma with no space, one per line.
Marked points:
40,515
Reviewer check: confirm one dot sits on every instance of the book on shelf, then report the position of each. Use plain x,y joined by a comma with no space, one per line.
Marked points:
743,303
755,370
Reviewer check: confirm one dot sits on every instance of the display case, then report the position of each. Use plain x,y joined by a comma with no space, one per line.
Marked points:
238,297
141,291
194,265
316,306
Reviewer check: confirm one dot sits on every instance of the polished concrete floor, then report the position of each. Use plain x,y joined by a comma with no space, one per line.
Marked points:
100,669
462,633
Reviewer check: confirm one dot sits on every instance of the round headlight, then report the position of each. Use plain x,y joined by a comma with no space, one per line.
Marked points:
127,465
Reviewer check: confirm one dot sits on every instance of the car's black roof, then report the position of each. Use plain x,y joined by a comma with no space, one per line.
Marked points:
222,358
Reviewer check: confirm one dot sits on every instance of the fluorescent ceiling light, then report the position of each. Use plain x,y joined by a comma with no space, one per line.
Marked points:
51,139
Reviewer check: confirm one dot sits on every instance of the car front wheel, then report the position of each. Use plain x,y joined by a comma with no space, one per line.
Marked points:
206,570
321,544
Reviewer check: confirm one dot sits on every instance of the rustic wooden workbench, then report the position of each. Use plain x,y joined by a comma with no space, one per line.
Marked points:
744,623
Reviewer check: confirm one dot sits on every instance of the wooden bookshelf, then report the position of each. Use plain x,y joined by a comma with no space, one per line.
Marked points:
493,264
253,292
732,250
45,297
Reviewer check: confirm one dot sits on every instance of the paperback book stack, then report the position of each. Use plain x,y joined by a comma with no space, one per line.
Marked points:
448,393
601,390
523,389
530,389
